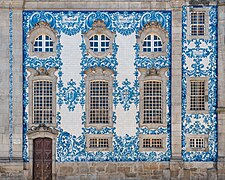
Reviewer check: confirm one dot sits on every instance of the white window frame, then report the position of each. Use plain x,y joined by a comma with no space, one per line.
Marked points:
43,41
188,95
152,41
109,137
99,41
204,10
99,28
203,137
41,74
163,138
153,75
153,28
99,74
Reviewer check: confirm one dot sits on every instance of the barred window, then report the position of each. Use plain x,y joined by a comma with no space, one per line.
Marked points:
99,143
152,43
197,143
198,23
99,102
152,102
99,43
197,101
152,143
42,102
43,43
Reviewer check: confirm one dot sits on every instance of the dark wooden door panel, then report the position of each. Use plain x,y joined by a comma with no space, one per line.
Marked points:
42,167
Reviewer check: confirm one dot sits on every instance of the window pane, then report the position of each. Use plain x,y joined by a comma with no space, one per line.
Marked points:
42,102
152,102
99,102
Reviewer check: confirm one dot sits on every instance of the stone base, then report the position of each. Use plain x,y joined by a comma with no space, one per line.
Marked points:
123,170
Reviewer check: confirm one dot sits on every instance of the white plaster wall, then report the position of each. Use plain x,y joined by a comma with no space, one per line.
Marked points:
71,57
125,123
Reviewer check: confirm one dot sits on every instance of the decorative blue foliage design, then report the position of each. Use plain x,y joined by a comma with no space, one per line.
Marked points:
199,59
125,95
71,94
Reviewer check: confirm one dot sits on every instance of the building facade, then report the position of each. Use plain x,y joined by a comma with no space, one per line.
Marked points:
112,89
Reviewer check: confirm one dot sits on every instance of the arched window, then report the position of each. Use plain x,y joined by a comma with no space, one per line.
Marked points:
152,40
43,43
152,43
99,43
99,40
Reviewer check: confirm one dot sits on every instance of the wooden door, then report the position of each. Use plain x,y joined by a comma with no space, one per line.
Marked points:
42,167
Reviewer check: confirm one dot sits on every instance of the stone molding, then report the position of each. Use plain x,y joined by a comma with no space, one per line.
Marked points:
99,28
94,74
42,74
42,28
148,75
153,28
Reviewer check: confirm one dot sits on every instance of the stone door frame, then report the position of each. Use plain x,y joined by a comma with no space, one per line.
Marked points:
42,131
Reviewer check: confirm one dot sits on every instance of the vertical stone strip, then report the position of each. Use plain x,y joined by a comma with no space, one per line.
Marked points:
17,82
221,84
4,84
10,82
176,123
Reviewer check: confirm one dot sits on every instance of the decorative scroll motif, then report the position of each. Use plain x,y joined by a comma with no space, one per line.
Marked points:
199,59
70,94
125,95
71,23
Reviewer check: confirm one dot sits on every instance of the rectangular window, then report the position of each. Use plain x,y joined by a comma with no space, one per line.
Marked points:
152,143
198,23
42,102
152,102
99,102
197,97
197,143
99,143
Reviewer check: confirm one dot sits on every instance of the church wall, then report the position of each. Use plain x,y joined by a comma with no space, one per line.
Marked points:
179,163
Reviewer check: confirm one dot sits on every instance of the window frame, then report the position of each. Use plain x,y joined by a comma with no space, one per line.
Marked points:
99,41
163,137
44,40
188,95
198,10
41,74
99,136
41,28
99,74
99,28
197,136
153,75
153,28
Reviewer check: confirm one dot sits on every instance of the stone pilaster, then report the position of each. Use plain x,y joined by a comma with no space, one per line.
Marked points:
4,84
221,82
176,121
